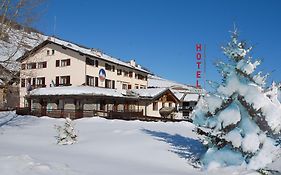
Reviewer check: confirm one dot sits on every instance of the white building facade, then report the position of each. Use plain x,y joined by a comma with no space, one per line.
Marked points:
56,62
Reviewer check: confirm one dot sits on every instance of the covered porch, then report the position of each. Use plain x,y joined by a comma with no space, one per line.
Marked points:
74,107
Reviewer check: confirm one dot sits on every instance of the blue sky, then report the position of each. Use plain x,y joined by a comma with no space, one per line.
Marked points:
161,34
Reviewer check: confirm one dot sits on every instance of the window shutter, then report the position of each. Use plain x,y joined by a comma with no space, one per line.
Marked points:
43,81
57,81
22,82
113,84
57,63
68,80
34,81
96,81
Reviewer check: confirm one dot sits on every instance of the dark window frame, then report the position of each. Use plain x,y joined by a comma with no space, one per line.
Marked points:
23,82
155,106
44,64
23,66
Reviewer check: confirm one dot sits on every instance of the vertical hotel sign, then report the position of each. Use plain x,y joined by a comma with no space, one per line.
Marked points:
200,60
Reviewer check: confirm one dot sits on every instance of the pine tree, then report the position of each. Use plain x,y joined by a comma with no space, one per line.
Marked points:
66,134
241,120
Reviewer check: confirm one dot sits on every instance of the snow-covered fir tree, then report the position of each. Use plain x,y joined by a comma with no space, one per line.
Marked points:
66,133
241,120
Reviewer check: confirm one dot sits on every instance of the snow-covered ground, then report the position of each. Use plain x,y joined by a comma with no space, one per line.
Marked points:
28,147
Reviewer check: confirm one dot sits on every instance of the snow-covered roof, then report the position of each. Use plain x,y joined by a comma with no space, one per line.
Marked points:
185,96
91,52
77,90
97,91
190,97
158,82
149,93
155,81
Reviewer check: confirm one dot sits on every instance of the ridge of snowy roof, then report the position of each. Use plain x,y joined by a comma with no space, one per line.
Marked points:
150,92
177,88
93,52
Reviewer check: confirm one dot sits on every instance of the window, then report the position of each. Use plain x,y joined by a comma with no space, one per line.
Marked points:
28,80
140,77
23,66
48,52
126,73
170,105
102,105
41,82
65,62
89,61
42,64
97,63
124,86
31,66
57,63
63,80
107,66
119,72
142,87
107,83
130,74
90,81
155,106
96,81
23,82
129,86
136,86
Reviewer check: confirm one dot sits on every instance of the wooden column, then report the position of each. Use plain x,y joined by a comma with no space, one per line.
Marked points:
43,104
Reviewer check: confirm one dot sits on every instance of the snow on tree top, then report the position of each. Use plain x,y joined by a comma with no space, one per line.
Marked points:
244,118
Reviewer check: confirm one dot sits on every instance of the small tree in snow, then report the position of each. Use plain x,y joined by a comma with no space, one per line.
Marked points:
242,117
66,133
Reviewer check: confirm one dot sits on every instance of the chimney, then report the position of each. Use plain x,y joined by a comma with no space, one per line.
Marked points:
133,63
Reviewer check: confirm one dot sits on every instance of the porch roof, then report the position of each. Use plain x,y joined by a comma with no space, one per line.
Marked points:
77,91
82,91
